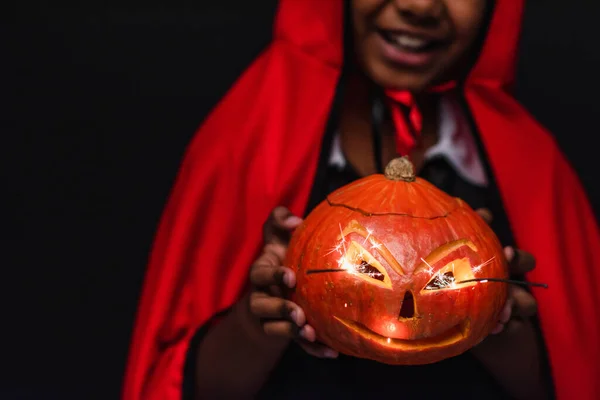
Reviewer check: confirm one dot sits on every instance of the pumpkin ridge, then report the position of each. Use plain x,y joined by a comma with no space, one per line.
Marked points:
372,214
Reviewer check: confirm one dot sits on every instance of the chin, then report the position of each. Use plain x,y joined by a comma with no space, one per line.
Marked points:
390,78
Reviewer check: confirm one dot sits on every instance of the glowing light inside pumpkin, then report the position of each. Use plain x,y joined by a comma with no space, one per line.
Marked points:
455,275
442,281
348,263
355,263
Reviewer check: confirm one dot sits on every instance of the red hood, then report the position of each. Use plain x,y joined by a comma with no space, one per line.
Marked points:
313,26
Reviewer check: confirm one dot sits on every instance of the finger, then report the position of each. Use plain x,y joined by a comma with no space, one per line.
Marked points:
318,350
267,275
513,327
275,252
519,261
308,333
485,214
279,225
506,312
271,255
283,218
281,329
497,329
524,303
504,316
275,308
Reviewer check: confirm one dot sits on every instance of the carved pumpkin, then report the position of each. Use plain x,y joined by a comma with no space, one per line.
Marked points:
381,267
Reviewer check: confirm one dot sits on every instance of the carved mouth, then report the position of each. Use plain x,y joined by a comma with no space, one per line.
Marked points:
447,338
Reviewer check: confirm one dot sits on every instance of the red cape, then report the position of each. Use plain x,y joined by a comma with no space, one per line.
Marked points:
259,149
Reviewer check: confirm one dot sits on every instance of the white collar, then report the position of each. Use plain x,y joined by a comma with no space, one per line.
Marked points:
455,144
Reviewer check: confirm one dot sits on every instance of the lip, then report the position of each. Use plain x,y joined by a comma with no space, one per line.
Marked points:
451,336
405,58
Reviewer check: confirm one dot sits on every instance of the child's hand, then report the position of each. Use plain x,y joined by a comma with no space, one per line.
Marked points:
280,317
519,307
520,304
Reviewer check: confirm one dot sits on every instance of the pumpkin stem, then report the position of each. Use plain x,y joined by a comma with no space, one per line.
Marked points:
400,169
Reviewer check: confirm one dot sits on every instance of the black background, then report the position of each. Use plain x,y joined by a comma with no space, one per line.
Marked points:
100,100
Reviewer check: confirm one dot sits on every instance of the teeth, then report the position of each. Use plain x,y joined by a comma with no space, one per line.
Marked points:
410,42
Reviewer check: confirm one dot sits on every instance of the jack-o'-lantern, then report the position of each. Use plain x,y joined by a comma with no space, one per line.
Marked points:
390,268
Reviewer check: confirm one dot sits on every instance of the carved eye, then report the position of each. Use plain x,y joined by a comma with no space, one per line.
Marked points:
360,262
440,281
447,277
367,269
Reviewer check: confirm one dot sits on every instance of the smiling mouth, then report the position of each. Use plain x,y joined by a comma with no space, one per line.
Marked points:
406,41
447,338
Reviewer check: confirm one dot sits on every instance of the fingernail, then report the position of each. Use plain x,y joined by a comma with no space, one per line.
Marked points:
294,316
509,253
287,279
499,328
293,220
506,312
302,334
329,353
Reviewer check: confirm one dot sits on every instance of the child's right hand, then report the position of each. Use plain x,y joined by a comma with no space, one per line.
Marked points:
280,317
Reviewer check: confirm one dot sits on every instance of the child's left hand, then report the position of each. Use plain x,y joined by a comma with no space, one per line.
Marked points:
520,304
511,352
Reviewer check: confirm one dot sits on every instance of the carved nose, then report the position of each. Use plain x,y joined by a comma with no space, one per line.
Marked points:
408,305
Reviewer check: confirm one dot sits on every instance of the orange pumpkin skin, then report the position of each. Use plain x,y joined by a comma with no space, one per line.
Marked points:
395,240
